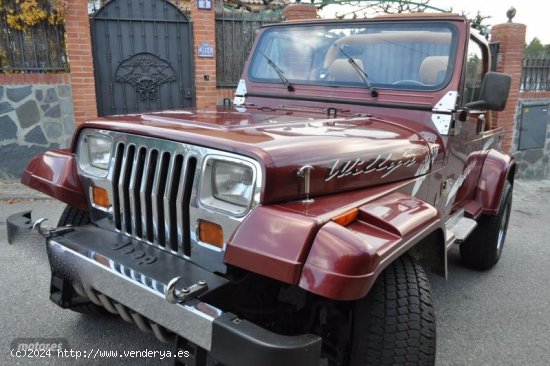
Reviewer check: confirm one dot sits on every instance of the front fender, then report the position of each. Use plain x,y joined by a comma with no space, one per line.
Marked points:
54,173
272,242
344,262
497,168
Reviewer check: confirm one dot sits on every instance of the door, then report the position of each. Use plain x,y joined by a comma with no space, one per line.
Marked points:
534,122
143,57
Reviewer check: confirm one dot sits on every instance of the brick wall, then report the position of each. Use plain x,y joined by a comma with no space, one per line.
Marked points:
79,50
531,163
511,37
534,95
300,12
25,79
204,31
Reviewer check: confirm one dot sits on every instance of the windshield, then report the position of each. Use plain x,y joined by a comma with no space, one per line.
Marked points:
384,55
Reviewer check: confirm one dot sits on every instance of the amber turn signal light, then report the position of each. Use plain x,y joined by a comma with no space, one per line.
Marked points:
100,197
211,233
347,217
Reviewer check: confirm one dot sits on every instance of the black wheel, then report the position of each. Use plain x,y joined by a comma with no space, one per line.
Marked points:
75,217
395,323
483,248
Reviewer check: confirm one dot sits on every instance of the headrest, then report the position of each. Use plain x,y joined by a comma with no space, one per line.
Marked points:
433,69
342,70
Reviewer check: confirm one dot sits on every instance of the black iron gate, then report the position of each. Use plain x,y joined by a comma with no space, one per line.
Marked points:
143,57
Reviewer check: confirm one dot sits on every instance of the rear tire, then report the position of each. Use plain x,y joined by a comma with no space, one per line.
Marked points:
74,217
395,323
483,248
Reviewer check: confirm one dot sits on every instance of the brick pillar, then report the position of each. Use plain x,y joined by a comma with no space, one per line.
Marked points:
299,12
204,31
511,37
79,51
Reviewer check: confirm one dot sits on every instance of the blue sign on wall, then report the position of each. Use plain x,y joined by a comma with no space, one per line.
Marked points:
205,50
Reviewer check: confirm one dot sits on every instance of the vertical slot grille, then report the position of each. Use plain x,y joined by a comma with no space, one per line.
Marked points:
171,200
152,167
123,188
151,196
116,178
186,200
158,193
135,185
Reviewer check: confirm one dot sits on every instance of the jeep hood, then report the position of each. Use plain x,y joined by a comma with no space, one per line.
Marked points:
344,153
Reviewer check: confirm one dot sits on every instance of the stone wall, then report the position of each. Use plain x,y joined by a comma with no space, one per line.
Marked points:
532,163
33,118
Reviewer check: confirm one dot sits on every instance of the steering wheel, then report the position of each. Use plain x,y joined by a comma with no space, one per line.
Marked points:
408,82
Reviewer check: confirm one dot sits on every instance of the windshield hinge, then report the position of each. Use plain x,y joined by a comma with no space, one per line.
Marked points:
240,94
443,111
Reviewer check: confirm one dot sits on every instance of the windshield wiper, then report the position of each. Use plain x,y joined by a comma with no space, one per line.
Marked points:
362,74
280,73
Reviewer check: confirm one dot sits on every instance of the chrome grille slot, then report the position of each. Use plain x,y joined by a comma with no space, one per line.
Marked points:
170,202
145,195
159,185
151,195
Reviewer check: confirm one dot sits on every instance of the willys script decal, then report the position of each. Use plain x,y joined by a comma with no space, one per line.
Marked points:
359,166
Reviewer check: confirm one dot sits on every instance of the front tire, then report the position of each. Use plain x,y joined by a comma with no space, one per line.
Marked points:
482,250
395,323
74,217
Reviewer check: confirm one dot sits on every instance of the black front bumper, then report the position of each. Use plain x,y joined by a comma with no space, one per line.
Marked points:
18,224
133,274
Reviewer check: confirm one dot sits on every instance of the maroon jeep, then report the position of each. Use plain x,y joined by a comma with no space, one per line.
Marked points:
289,228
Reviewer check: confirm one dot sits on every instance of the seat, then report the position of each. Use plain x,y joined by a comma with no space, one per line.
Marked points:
342,70
433,70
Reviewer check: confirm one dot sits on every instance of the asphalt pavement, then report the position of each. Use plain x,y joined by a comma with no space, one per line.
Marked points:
497,317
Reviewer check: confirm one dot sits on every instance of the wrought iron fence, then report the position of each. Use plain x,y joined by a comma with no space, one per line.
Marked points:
535,75
40,48
235,33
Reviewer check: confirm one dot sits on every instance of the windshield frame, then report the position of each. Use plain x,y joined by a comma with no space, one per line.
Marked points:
368,26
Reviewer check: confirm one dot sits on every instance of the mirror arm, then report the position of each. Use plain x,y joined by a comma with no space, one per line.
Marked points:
475,104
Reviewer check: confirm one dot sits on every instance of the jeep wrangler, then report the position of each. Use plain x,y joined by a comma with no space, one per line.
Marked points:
291,226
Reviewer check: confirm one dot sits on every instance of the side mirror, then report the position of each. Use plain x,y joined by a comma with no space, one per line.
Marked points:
494,92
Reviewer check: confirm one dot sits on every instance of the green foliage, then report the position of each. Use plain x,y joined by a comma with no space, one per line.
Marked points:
535,49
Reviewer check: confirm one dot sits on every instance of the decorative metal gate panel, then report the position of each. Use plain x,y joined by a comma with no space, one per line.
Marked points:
235,33
143,57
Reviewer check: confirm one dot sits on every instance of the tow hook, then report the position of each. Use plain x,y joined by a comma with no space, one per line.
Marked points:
50,232
21,224
174,295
